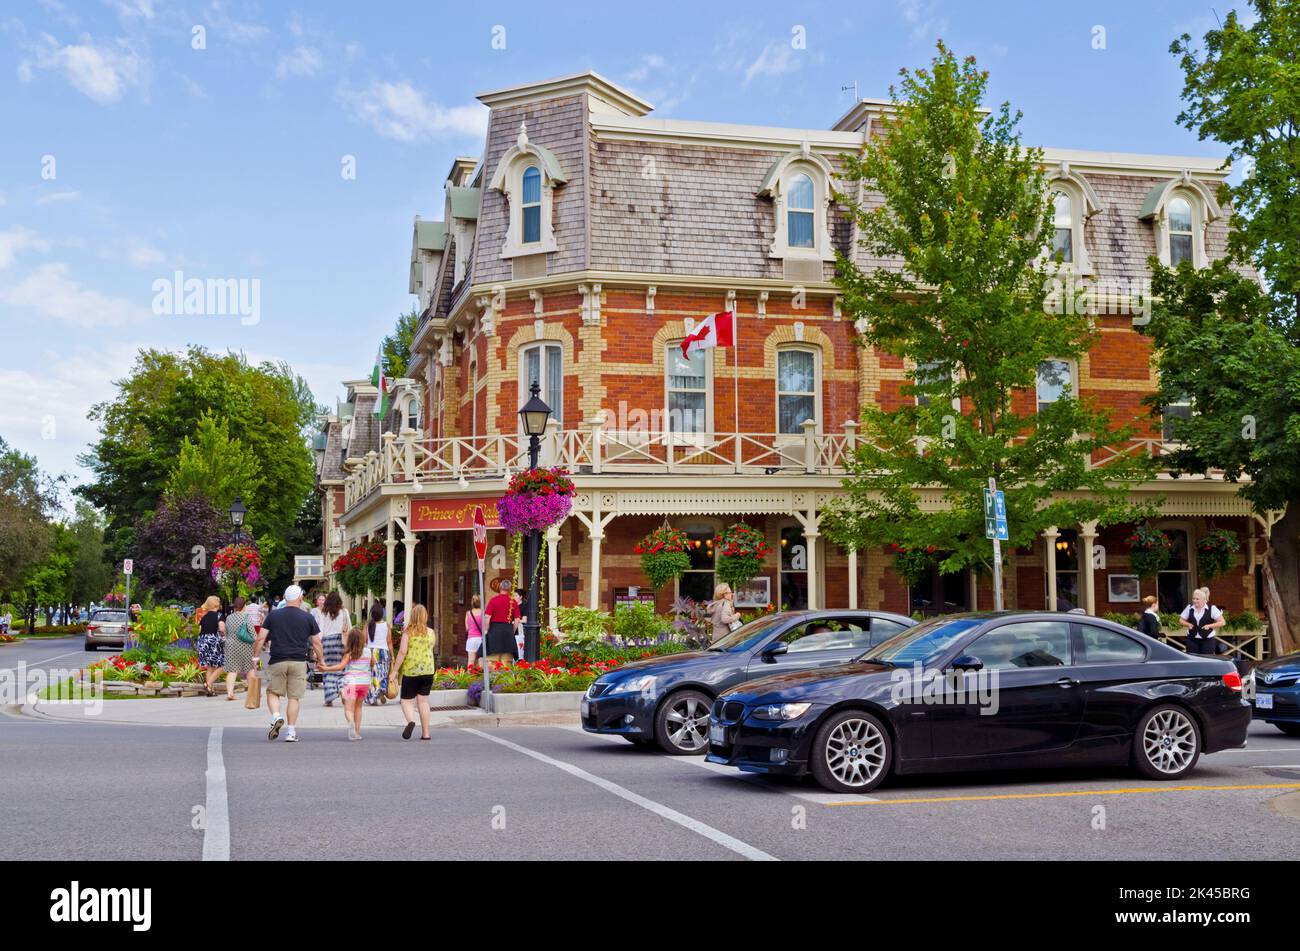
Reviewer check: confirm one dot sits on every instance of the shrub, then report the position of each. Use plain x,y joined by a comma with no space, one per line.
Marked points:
583,628
691,622
638,622
155,633
1243,621
1122,617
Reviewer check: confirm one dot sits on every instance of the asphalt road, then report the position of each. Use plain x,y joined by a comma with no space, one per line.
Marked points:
47,652
100,790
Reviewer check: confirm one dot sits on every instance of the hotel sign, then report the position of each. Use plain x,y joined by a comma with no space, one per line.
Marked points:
449,515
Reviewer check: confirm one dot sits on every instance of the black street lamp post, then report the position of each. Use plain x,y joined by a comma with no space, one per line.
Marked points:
534,414
237,512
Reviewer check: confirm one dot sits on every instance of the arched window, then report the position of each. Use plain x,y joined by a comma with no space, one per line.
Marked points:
542,363
687,384
801,212
796,389
1054,376
1181,236
413,413
531,204
1063,223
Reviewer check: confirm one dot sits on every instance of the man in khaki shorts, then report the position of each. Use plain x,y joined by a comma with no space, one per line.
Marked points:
292,633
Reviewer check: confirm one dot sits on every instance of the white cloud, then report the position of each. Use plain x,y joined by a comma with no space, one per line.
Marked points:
130,9
67,194
51,291
236,31
920,16
400,111
303,61
142,255
102,72
648,62
775,60
18,239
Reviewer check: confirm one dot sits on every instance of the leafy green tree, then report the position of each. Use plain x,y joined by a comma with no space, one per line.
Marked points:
1244,381
1241,90
266,408
92,575
214,464
965,214
48,583
28,500
397,345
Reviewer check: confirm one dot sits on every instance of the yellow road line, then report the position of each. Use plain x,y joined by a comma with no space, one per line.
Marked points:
1054,795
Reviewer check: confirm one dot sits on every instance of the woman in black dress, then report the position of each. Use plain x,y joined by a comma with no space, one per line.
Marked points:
211,644
1149,620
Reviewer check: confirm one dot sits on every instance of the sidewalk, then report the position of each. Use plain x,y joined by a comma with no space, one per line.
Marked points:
217,711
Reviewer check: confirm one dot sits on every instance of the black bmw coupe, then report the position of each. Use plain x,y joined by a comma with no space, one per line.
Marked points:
986,691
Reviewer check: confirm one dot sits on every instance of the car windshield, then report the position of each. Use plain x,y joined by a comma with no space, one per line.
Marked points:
748,635
109,616
923,643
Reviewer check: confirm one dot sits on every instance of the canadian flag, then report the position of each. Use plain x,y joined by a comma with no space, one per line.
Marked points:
715,330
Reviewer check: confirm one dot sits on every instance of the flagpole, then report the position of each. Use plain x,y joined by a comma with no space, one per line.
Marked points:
735,377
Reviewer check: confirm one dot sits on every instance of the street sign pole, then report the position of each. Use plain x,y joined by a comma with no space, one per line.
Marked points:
480,549
999,517
128,566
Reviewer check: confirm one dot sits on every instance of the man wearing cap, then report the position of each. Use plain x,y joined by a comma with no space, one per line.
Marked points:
293,633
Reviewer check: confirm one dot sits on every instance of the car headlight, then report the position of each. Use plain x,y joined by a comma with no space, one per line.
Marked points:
781,711
642,684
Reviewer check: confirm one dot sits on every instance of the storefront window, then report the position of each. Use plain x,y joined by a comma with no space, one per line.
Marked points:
940,593
697,581
794,569
1174,584
1066,553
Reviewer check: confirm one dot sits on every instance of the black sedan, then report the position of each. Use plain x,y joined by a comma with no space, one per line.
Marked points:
987,691
667,699
1275,692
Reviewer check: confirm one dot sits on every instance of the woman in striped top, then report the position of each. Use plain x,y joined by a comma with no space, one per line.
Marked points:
356,666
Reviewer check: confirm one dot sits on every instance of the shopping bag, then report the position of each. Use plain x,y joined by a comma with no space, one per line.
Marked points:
254,699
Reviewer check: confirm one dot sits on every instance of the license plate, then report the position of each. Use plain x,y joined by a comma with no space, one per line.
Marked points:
718,734
583,709
1264,701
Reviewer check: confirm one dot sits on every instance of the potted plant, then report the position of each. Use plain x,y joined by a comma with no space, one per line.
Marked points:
1216,553
1149,550
237,570
740,553
913,565
663,555
535,500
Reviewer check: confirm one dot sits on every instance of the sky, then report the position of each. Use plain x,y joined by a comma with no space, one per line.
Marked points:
287,147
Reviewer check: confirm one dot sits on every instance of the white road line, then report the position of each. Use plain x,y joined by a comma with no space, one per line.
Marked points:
756,779
41,660
672,815
1264,749
1279,766
216,830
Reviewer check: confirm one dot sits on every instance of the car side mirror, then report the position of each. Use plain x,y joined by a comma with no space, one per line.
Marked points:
773,650
967,662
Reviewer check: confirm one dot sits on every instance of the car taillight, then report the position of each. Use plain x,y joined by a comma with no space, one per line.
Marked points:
1232,680
92,627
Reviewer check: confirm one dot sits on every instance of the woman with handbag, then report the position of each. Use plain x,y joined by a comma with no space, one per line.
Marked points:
211,643
474,630
239,645
334,622
501,613
380,646
415,664
722,611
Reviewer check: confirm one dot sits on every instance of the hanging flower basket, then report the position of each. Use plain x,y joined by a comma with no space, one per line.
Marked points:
361,568
1149,551
237,569
913,565
740,553
663,555
1216,553
535,500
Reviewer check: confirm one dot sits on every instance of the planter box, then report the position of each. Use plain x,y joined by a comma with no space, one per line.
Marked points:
559,701
448,698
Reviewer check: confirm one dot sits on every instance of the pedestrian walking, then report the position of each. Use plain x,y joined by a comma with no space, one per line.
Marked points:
1201,619
354,667
474,628
211,642
501,614
380,646
722,611
1149,620
415,663
292,634
334,623
240,635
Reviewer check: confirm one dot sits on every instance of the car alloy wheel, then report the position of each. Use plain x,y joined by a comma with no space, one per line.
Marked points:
1169,743
851,753
683,723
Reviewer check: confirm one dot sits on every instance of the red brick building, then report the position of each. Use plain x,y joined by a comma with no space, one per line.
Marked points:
589,239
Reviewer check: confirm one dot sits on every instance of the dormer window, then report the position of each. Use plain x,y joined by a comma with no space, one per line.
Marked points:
1063,223
1181,235
801,212
531,204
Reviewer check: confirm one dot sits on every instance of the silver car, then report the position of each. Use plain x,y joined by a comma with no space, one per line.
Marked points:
106,628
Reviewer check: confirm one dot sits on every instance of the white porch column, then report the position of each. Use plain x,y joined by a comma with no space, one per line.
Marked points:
1087,537
552,576
409,540
814,570
596,535
390,543
973,588
1050,536
853,579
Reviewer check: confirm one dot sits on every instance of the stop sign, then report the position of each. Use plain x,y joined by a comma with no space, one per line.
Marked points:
480,535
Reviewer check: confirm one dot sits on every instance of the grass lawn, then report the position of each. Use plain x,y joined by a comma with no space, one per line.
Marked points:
76,690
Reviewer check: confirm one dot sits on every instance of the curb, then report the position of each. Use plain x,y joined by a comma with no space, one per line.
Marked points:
536,718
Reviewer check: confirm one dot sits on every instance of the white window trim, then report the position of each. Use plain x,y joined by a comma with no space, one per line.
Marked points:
816,391
1073,383
557,411
819,170
1204,210
690,438
508,180
1084,203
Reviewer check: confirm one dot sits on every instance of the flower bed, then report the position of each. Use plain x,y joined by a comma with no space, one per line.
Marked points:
179,667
